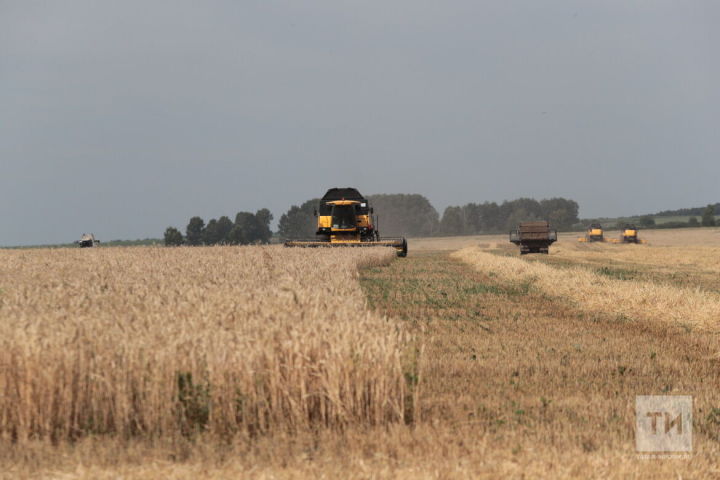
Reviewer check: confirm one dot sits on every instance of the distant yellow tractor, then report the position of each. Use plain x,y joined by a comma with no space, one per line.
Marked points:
594,233
629,234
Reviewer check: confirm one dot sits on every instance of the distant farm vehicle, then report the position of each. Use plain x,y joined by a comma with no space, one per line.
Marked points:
345,219
88,240
629,234
533,237
594,233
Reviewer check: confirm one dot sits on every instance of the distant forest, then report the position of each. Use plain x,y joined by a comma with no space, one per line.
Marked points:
413,215
410,215
248,228
683,212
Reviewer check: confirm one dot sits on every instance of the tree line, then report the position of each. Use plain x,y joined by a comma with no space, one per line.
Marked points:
402,214
685,212
708,216
248,228
707,219
414,215
489,217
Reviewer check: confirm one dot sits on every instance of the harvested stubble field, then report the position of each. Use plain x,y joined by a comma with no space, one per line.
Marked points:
528,368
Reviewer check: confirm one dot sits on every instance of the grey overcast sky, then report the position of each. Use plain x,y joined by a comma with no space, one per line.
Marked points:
124,117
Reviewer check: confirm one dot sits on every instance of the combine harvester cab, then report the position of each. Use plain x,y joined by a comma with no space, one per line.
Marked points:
345,219
594,233
533,237
87,240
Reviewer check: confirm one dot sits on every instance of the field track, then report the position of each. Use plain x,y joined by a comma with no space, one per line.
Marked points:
521,371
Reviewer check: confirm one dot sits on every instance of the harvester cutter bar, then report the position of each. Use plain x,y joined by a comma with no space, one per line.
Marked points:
399,244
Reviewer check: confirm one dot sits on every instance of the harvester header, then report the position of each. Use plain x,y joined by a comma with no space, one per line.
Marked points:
345,219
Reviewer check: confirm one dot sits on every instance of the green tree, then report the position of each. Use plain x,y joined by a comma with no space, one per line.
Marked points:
472,217
693,222
562,213
517,216
647,221
491,219
708,216
405,214
224,225
194,231
263,218
453,221
211,234
248,224
523,207
299,222
236,236
173,237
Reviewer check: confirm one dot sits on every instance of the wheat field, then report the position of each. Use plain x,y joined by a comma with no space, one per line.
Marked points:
463,360
158,342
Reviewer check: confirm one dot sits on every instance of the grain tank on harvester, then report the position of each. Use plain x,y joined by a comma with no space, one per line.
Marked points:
533,237
345,219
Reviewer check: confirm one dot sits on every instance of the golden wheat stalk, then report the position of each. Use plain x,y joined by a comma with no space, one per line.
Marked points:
155,341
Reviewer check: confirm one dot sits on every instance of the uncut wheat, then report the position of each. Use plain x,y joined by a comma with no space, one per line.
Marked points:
168,341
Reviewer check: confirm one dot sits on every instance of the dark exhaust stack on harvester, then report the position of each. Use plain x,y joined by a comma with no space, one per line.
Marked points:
345,219
533,237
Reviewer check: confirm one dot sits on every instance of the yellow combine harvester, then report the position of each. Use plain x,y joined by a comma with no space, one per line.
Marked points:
628,234
594,234
344,219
